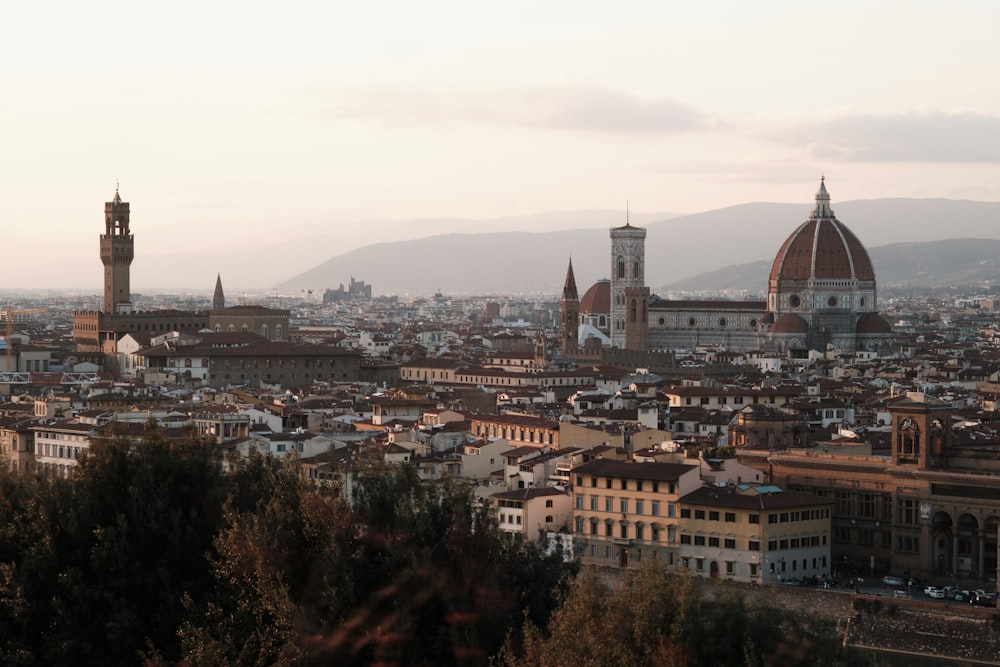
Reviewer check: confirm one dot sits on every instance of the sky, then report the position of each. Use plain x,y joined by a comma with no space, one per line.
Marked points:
229,123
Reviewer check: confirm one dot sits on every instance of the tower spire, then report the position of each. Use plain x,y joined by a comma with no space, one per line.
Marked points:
219,298
569,287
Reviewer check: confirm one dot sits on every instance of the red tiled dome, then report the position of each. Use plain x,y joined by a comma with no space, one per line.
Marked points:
790,323
597,299
822,248
873,323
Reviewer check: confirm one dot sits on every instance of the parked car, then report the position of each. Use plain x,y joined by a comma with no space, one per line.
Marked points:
935,593
984,600
929,589
960,596
893,581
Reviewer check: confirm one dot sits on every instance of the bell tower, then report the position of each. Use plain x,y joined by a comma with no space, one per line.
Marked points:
570,313
117,253
921,432
629,294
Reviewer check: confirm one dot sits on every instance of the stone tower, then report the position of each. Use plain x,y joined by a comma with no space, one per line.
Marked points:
570,313
117,253
629,294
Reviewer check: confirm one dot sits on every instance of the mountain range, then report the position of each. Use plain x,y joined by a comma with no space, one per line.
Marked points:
912,242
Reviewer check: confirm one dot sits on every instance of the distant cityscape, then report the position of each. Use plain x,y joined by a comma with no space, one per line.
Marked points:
821,434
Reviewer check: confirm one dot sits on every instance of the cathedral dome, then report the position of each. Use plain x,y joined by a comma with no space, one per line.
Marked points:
597,299
822,248
873,323
790,323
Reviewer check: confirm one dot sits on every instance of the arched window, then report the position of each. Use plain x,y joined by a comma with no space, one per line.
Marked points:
263,330
632,310
232,328
621,267
277,332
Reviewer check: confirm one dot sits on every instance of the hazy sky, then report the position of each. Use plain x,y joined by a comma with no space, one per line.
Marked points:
259,119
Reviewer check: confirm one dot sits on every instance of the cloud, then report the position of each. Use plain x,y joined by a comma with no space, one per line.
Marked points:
560,107
905,137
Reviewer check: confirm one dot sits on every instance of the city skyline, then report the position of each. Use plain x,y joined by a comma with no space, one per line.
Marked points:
266,124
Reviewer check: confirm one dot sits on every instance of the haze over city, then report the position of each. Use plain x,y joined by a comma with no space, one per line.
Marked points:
233,126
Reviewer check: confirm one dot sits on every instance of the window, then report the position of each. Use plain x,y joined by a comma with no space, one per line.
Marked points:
624,484
713,541
730,543
730,567
593,503
754,518
609,530
579,525
579,479
685,513
579,502
730,517
685,539
699,540
624,531
713,516
607,483
772,518
638,506
609,504
593,480
655,508
638,485
624,505
699,514
639,532
548,503
754,545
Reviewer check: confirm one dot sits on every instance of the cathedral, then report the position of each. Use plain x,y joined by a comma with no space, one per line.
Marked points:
821,295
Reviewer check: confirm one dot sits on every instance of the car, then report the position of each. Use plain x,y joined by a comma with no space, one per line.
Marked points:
792,582
935,593
960,596
929,589
899,593
893,581
983,600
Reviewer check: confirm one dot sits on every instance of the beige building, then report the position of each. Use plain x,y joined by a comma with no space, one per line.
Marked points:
625,512
757,534
532,512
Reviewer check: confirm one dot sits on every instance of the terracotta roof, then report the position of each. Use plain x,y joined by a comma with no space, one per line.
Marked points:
597,299
790,323
656,471
873,323
822,248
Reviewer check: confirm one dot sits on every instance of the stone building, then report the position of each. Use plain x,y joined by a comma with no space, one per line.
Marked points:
930,508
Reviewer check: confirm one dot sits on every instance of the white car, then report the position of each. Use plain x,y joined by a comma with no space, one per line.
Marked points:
936,593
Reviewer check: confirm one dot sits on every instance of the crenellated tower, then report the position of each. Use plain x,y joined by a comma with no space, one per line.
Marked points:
117,253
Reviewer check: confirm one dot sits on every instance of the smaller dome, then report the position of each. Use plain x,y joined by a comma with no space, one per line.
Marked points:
790,323
597,299
873,323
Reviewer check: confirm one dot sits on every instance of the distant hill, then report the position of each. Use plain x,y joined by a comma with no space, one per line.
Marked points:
677,250
932,264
